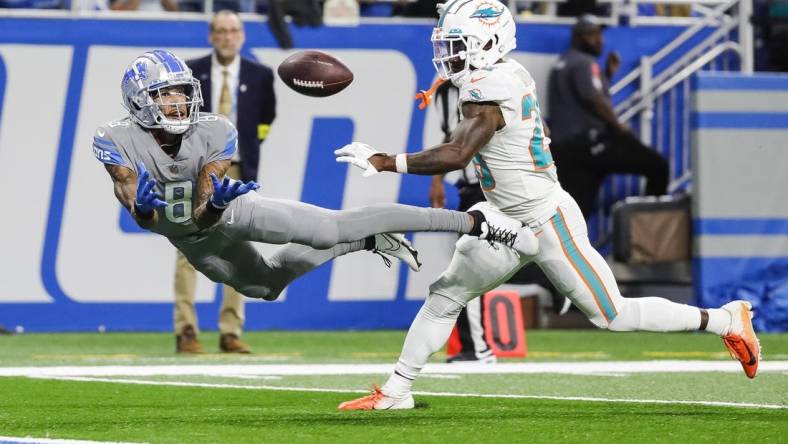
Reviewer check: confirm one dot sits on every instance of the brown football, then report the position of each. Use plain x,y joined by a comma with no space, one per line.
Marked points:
315,73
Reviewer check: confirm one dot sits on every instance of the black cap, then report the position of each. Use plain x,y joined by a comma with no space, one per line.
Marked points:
586,23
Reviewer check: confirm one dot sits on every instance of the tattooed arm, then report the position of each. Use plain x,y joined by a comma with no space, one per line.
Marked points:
205,214
125,181
481,121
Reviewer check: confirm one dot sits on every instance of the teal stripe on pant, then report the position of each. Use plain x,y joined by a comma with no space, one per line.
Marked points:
584,268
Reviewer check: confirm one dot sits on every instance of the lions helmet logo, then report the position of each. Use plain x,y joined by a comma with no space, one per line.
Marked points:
487,14
142,71
138,72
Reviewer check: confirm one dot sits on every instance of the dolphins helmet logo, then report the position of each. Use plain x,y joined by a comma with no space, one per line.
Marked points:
488,14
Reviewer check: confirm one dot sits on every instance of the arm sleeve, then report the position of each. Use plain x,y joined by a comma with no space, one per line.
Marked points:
587,79
106,150
223,141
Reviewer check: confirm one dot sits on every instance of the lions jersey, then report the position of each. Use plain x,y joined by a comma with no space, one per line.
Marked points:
125,143
515,168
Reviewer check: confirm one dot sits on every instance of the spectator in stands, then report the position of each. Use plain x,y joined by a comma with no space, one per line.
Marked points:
673,9
242,90
31,4
575,8
301,13
418,8
777,37
588,141
245,6
144,5
86,5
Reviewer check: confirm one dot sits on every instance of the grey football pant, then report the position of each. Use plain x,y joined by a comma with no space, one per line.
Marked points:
313,235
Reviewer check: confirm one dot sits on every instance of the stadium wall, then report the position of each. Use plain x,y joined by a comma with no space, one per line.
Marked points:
73,261
740,205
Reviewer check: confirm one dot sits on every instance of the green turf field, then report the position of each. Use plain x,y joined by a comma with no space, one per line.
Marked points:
133,388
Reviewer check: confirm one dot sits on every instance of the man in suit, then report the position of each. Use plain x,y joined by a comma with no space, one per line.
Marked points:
242,90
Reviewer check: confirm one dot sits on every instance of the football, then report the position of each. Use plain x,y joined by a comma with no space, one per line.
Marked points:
315,73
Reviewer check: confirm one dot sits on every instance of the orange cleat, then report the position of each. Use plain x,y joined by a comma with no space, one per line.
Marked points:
377,400
741,341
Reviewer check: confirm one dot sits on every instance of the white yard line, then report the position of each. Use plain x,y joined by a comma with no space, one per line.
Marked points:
419,393
240,370
28,439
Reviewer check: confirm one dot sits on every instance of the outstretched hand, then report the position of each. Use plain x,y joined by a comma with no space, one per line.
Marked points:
358,154
224,191
146,199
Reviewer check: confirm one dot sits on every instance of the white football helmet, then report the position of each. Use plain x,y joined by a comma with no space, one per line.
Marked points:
471,34
151,76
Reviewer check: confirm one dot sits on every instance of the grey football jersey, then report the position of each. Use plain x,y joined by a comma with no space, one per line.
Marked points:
125,143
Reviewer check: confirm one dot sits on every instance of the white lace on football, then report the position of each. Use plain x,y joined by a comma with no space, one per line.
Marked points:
308,84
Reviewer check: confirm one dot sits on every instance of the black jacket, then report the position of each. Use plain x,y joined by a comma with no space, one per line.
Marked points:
256,106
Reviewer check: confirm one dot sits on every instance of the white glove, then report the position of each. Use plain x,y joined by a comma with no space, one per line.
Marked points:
358,154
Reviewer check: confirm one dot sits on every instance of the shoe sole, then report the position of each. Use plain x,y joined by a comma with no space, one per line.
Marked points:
406,245
415,256
405,404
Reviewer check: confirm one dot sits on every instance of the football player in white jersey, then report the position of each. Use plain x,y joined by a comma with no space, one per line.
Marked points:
503,134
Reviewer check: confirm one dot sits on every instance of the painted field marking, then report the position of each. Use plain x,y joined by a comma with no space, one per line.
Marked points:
418,393
225,370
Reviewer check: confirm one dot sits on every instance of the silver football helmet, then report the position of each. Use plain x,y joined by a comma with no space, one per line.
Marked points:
151,77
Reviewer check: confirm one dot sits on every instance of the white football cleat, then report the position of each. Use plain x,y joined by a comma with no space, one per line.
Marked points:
377,400
500,228
395,244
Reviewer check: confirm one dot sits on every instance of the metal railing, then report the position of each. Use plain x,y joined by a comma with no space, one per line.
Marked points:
655,97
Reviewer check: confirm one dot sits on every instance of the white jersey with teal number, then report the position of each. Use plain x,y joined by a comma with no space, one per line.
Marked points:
515,168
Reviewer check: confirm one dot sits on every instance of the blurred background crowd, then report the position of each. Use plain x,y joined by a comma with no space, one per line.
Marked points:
770,17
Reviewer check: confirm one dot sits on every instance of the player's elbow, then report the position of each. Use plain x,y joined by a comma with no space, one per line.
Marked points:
454,164
456,158
463,158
